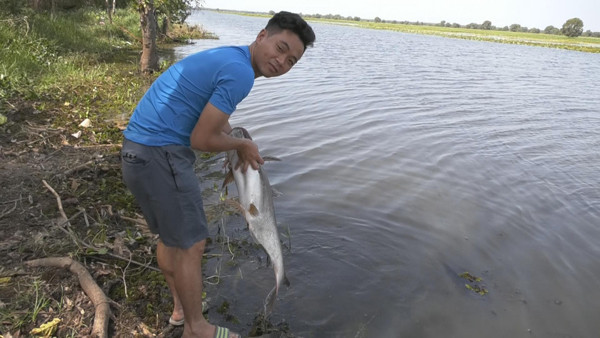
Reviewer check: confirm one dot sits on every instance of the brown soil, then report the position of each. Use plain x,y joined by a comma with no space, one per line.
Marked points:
102,234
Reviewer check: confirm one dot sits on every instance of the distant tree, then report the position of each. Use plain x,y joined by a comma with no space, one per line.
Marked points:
587,33
505,28
551,30
524,29
487,24
377,19
442,23
171,11
515,27
572,28
455,25
534,30
473,26
271,12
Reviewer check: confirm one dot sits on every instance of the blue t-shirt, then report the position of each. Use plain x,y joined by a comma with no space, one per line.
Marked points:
169,110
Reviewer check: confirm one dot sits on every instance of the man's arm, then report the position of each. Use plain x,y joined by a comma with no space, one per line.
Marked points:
227,128
209,134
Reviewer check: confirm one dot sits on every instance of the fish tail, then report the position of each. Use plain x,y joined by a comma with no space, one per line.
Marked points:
270,301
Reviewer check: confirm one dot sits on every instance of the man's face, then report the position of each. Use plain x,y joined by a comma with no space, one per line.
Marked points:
276,53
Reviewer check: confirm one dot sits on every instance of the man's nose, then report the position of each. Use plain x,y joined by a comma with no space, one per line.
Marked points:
281,59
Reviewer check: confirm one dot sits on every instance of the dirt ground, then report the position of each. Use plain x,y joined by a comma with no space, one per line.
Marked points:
103,231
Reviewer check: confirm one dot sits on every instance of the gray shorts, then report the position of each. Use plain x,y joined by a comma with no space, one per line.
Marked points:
164,184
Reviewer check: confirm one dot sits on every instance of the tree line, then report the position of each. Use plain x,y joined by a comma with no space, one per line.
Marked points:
571,28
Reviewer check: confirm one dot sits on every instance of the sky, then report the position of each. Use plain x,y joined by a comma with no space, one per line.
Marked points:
527,13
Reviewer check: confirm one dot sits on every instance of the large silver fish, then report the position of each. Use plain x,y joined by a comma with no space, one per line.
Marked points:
256,204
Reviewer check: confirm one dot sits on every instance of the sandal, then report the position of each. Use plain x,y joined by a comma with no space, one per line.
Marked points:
175,322
223,332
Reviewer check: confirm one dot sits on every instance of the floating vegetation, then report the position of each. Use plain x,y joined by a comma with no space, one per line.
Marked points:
473,283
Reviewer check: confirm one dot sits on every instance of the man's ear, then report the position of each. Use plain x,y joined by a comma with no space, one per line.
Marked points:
262,34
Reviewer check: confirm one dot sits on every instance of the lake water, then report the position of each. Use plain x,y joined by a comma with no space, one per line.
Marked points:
409,159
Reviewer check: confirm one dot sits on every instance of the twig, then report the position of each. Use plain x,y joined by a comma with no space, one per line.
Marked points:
98,145
134,220
77,168
58,200
11,201
124,281
87,223
4,213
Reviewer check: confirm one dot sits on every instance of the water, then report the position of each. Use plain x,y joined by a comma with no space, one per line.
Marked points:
408,159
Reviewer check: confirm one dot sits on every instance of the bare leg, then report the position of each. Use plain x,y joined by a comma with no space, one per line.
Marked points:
183,271
166,264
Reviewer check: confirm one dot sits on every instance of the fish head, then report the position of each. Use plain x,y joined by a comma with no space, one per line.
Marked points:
239,132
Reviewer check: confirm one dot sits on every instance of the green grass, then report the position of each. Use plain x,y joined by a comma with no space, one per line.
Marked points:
76,65
44,56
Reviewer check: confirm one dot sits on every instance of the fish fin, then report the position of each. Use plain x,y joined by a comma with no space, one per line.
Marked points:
228,179
276,193
245,133
236,205
252,210
270,158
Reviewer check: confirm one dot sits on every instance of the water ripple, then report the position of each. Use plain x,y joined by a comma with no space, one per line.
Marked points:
404,154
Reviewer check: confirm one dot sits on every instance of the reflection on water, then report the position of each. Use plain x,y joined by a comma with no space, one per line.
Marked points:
409,159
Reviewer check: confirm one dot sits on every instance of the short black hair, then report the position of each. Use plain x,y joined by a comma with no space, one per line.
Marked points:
294,23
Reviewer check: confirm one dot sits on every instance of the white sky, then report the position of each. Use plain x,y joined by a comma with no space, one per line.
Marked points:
527,13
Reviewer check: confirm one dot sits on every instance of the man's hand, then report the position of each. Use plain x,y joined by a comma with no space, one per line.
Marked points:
249,156
210,134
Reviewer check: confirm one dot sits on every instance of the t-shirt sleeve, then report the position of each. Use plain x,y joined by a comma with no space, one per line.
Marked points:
233,83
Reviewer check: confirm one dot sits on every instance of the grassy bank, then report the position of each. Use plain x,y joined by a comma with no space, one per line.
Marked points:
582,44
76,64
56,71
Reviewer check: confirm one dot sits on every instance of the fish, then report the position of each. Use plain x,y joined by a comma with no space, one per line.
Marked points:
256,204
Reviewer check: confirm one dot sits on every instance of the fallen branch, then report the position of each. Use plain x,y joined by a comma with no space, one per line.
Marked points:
130,34
66,222
89,286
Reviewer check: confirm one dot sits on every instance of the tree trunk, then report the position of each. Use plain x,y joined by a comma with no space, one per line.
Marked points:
149,60
108,11
114,6
165,26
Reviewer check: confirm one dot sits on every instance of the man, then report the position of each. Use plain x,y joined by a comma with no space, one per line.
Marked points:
189,106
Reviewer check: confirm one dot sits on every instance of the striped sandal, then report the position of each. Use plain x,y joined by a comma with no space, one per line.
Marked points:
223,332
